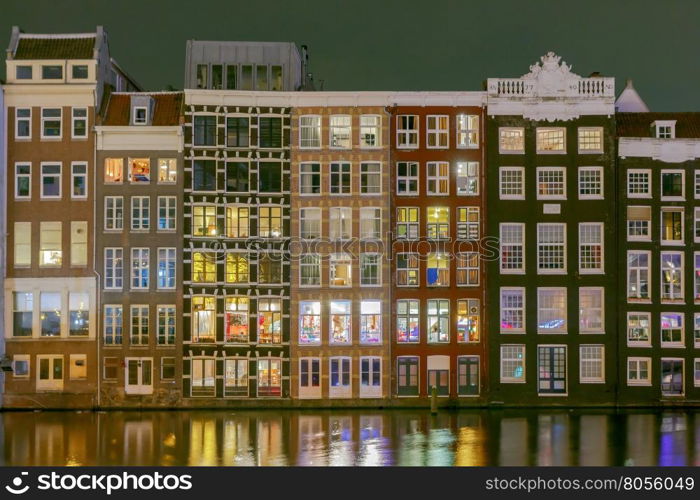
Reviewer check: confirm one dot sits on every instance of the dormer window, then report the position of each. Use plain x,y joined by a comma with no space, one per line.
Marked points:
140,115
53,72
80,71
24,72
665,129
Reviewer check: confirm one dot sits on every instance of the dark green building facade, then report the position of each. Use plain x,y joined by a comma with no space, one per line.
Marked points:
552,292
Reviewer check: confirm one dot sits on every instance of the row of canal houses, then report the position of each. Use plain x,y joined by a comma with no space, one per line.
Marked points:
254,242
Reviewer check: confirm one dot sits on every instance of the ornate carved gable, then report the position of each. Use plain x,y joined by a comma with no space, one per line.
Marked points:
549,78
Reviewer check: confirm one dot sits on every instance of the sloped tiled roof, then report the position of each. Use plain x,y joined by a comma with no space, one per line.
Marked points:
166,111
640,124
55,48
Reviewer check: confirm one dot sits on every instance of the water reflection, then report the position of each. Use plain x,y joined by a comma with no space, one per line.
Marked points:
349,438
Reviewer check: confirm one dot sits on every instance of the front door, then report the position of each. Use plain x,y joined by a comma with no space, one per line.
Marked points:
552,369
407,367
139,376
439,379
468,376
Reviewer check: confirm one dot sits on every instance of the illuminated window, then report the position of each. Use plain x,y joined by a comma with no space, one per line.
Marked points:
269,377
672,330
270,268
590,140
551,140
672,226
269,321
438,321
139,170
468,269
591,315
167,170
638,371
592,364
236,319
340,223
407,270
407,223
203,319
468,178
370,131
407,321
237,221
235,377
204,220
310,131
639,329
310,270
341,270
50,303
467,131
22,314
512,310
551,310
511,140
50,253
340,322
438,177
638,274
371,322
237,270
23,244
114,170
310,322
468,223
551,183
672,276
269,222
438,269
551,248
341,131
310,178
407,131
310,223
438,131
468,320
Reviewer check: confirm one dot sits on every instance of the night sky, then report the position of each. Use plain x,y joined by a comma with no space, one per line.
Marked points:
401,44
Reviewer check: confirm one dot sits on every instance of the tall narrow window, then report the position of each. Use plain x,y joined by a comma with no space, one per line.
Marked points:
23,244
23,181
237,268
438,320
468,269
370,269
438,269
340,322
370,131
166,268
204,130
78,243
114,268
310,178
269,321
512,247
467,131
341,270
166,325
50,253
310,322
139,325
167,213
672,276
310,131
140,268
140,213
23,123
370,178
638,274
269,222
551,248
407,321
591,312
551,310
114,170
51,123
167,170
79,123
340,223
112,324
468,178
79,180
590,247
340,178
310,270
22,314
438,131
672,226
236,320
407,131
114,213
512,310
51,180
468,223
341,132
371,322
407,178
237,177
237,221
203,319
438,177
468,320
407,223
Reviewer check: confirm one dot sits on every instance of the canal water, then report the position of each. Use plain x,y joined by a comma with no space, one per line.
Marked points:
358,437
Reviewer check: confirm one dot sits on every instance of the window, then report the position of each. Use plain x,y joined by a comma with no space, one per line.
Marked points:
50,314
204,175
407,131
22,314
639,183
672,185
270,177
78,243
269,321
590,183
438,131
468,223
237,221
341,132
438,178
23,123
166,268
113,325
140,115
340,374
51,180
79,123
371,322
309,373
237,131
309,322
696,228
203,375
235,377
638,329
270,132
512,236
511,183
114,213
407,375
592,364
310,178
203,319
511,140
672,226
672,276
370,178
237,269
340,223
51,123
665,129
407,223
370,131
23,244
696,330
512,364
696,273
237,177
204,220
204,267
139,170
204,133
468,320
79,71
551,140
50,373
590,140
551,368
340,178
139,325
340,322
696,191
139,268
261,81
50,254
270,268
407,178
79,180
591,316
51,72
467,131
638,371
438,320
512,310
166,325
269,222
20,366
370,269
590,247
551,183
236,324
672,330
340,269
468,178
438,269
551,310
672,375
309,223
551,246
167,170
407,321
310,270
638,275
370,376
167,368
140,213
638,223
114,268
310,131
167,212
114,170
438,223
468,269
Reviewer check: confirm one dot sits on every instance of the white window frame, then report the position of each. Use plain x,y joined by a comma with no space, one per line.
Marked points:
468,267
672,344
367,173
550,130
501,173
410,272
696,185
332,128
45,119
560,292
408,133
601,176
340,391
437,178
437,132
521,245
407,179
366,125
341,186
628,221
637,343
638,269
314,123
663,172
141,204
73,176
662,211
60,179
594,291
315,264
22,244
19,119
564,248
470,179
502,309
637,360
309,169
601,360
365,258
137,120
75,119
50,384
166,255
582,226
550,170
371,391
115,221
521,361
465,131
168,204
135,267
23,176
681,273
587,150
639,171
115,279
341,214
508,134
411,226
